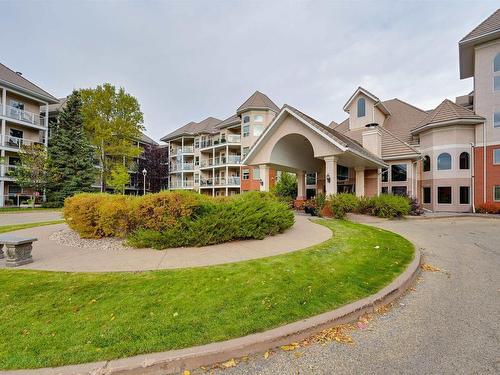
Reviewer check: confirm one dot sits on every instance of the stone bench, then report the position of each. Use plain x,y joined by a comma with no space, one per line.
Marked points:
18,250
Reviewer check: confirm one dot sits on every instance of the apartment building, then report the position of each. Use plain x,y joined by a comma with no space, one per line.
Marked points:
135,186
206,156
21,124
448,157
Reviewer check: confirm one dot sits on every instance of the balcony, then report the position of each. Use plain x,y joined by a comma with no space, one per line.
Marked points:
229,139
186,184
22,116
180,167
181,150
7,170
221,161
16,143
220,182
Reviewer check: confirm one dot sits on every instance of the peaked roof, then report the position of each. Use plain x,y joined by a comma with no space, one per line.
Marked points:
231,120
490,24
397,140
361,90
448,113
258,100
329,133
17,81
192,128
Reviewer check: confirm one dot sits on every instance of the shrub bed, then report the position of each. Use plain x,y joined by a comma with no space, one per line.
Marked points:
385,205
171,219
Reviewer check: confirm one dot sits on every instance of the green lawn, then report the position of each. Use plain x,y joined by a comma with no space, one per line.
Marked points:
11,227
56,318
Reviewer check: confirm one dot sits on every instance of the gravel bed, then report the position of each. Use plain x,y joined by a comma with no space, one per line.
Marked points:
69,237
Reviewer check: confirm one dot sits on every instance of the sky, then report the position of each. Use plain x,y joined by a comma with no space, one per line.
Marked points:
187,60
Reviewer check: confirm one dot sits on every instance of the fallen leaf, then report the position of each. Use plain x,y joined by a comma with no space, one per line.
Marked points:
230,363
297,354
292,346
186,372
266,355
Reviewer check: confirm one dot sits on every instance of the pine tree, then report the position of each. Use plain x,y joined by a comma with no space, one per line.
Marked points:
71,156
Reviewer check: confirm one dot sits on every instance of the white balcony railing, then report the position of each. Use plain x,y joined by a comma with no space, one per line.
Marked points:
181,150
177,167
15,142
223,160
22,115
8,169
181,184
230,138
217,181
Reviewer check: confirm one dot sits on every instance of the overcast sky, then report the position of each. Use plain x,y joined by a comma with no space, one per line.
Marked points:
186,60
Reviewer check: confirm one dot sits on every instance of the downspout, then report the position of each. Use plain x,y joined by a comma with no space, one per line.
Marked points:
472,173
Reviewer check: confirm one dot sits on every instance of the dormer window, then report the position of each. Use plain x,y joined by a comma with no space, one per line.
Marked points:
361,107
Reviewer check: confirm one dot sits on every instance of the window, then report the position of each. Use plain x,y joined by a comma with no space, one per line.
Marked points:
196,179
256,173
426,163
496,120
246,119
385,190
399,190
385,175
246,174
246,130
427,195
342,173
257,130
464,195
496,156
311,178
361,107
14,189
197,143
496,193
17,105
444,195
496,83
258,118
464,160
196,160
444,161
16,133
245,151
398,172
496,63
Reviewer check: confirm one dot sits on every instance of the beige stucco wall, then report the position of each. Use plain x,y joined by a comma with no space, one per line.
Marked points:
251,139
486,101
373,114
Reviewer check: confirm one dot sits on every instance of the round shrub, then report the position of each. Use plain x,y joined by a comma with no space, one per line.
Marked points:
343,203
388,206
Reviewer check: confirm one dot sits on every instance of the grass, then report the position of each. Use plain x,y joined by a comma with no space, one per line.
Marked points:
12,227
26,209
56,318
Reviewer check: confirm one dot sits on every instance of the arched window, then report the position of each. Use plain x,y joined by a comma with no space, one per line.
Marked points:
496,63
426,163
361,107
464,160
444,161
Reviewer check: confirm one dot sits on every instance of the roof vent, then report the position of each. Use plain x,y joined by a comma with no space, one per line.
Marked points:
19,73
371,125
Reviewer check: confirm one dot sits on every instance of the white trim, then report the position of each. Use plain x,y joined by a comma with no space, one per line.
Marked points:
353,96
446,123
495,200
437,163
406,156
41,99
493,156
446,147
437,195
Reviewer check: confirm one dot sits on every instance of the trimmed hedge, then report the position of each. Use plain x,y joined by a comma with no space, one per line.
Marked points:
171,219
385,205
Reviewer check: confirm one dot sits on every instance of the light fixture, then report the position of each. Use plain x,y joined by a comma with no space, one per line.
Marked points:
328,178
261,182
144,173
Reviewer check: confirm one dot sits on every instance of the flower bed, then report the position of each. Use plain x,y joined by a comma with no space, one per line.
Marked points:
171,219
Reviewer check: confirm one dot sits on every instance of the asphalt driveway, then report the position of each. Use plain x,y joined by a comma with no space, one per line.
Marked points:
7,218
449,323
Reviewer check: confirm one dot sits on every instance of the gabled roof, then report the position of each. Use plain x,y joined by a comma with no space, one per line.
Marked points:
448,113
361,90
16,81
145,139
230,121
338,139
397,140
194,128
486,31
258,100
490,24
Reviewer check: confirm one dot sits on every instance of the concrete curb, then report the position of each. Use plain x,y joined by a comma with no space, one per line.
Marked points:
175,361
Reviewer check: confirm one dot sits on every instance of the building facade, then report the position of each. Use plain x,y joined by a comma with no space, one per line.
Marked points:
21,124
448,158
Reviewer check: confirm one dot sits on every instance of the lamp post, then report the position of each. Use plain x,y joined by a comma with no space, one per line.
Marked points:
144,173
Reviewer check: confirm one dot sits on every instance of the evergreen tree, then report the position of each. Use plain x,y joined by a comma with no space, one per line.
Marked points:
71,161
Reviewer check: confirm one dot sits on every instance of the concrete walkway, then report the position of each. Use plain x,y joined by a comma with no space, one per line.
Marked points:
51,255
21,217
448,325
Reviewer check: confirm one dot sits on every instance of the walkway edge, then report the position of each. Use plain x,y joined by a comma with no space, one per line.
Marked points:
175,361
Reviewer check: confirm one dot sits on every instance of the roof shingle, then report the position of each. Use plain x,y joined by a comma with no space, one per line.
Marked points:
258,100
490,24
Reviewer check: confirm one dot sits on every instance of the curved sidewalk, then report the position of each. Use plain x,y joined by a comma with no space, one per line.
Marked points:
54,256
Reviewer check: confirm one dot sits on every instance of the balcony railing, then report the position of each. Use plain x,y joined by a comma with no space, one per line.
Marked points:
230,138
8,169
222,160
181,150
22,115
181,184
15,142
217,181
182,167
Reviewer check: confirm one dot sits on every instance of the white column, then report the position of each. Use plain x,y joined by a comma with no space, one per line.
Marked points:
301,185
360,182
264,176
2,193
331,175
379,181
2,142
46,124
4,101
